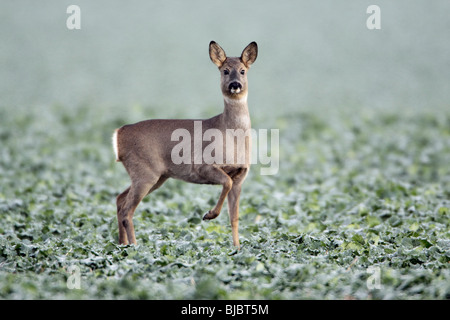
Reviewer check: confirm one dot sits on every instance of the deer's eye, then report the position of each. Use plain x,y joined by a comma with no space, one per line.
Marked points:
226,72
242,71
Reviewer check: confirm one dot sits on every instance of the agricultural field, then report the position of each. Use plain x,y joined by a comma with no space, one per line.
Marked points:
359,207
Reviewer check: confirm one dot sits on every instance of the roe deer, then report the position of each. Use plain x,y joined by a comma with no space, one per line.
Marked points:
146,148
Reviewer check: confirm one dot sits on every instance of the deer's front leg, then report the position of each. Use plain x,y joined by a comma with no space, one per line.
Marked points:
233,203
217,176
233,211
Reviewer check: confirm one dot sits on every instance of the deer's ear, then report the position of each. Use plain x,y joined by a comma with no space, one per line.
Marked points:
249,54
217,54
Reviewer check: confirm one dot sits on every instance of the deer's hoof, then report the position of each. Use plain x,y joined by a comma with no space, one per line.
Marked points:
210,215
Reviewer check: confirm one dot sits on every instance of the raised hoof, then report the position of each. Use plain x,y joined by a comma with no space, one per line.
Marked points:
209,216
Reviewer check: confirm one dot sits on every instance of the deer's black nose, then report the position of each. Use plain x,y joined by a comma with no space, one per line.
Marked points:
235,86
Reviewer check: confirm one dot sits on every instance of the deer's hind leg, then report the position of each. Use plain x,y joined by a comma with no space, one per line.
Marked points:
120,201
127,202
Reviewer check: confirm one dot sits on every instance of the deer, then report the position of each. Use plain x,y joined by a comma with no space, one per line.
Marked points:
146,148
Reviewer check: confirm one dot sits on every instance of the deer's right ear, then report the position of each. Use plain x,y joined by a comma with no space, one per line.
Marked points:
217,54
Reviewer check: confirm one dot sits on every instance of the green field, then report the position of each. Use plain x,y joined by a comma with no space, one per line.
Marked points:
360,206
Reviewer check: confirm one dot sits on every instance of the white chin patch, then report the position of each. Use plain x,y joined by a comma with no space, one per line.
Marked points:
233,90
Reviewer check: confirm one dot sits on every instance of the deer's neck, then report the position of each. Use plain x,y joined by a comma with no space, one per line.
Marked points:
235,114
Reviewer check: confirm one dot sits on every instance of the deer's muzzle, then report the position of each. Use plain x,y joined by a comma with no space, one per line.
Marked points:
235,87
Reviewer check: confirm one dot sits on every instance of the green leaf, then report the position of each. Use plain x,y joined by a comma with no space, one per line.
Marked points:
358,239
372,221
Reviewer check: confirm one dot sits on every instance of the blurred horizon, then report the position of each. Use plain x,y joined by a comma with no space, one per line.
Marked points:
312,54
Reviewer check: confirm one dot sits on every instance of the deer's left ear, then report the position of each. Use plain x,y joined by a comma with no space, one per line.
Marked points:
249,54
